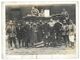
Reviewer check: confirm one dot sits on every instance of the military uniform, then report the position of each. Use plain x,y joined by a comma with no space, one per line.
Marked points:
35,12
46,32
12,35
40,33
26,36
57,29
65,13
19,34
65,34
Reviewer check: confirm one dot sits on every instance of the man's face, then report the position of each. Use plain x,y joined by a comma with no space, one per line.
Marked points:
64,10
27,22
19,24
51,20
10,21
33,8
71,22
64,21
57,20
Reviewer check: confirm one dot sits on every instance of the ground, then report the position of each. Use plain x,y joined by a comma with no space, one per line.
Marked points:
42,50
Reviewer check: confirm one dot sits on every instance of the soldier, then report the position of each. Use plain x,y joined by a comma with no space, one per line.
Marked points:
46,33
52,33
40,32
34,34
26,35
11,30
65,13
57,29
42,13
31,34
19,34
34,11
65,33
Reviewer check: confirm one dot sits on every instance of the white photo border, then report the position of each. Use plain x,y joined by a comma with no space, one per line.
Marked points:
3,17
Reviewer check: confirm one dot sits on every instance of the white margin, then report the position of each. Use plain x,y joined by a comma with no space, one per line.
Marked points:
38,56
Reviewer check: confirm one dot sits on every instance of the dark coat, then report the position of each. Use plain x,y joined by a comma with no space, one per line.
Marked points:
57,27
40,33
19,32
46,28
26,32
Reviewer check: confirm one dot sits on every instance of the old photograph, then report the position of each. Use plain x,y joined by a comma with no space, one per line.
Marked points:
40,29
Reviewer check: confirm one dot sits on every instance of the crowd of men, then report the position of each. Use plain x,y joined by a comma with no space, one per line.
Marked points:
52,33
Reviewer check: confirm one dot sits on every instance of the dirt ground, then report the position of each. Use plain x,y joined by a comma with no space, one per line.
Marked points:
42,50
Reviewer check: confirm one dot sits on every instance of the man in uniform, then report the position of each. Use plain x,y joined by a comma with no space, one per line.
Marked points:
65,33
65,14
26,35
19,34
40,32
52,33
57,29
46,33
11,30
34,11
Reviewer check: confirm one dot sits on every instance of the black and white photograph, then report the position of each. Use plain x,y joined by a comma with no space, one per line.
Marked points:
40,29
43,29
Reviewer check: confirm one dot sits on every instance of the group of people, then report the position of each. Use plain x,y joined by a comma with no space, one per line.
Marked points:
51,32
